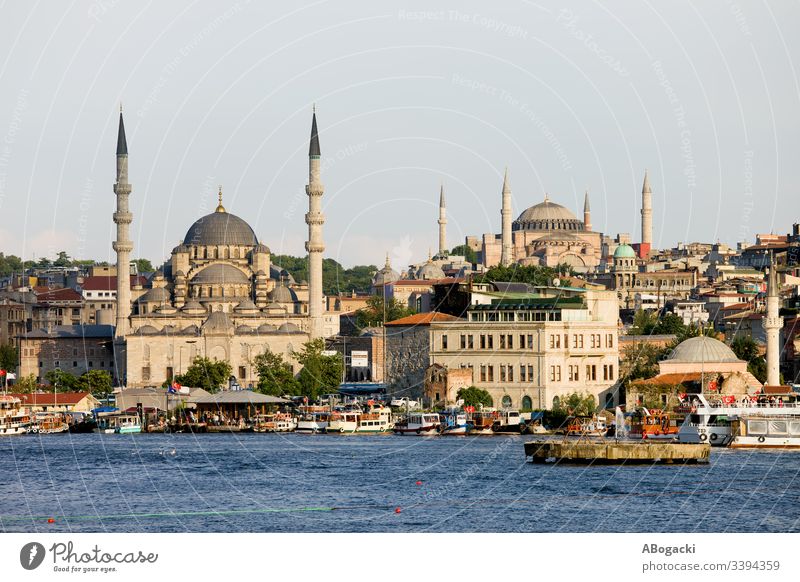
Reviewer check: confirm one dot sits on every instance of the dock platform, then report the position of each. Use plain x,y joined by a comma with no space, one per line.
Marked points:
613,452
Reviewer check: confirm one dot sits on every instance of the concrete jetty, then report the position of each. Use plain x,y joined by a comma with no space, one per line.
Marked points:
616,452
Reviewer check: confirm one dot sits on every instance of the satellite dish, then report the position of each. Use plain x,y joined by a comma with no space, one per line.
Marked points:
556,282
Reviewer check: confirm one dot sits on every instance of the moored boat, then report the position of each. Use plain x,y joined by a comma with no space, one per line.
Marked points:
43,423
313,419
454,422
276,422
418,423
378,419
653,425
343,421
586,426
755,431
13,420
482,421
118,423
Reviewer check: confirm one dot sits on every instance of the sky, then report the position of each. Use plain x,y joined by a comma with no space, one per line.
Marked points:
570,97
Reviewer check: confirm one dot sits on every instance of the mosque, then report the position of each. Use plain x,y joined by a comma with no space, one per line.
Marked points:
218,295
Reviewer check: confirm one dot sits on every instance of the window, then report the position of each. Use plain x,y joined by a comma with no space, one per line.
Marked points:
490,341
573,373
146,373
608,371
471,342
527,403
74,364
502,372
555,341
506,401
555,373
510,373
483,373
502,341
444,342
91,364
510,341
74,351
530,372
522,372
577,341
242,372
463,342
491,373
483,342
522,341
591,373
610,340
530,341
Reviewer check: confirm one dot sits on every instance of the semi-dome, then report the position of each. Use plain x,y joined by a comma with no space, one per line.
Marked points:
702,349
430,271
221,274
288,327
193,307
190,330
147,330
217,322
244,329
282,294
547,215
266,328
624,252
156,295
246,306
220,228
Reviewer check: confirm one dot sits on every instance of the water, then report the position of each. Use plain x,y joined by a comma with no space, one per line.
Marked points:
288,483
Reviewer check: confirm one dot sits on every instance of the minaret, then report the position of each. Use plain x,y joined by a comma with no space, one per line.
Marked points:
647,212
772,326
587,213
442,224
314,219
123,245
507,254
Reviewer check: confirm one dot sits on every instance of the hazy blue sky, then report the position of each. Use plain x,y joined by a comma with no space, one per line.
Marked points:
569,97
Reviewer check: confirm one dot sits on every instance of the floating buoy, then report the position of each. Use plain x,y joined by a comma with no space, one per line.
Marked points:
419,482
397,510
51,520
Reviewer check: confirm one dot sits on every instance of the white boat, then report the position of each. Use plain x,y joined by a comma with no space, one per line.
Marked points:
766,431
454,422
343,421
711,421
13,420
378,419
418,423
118,423
313,419
277,422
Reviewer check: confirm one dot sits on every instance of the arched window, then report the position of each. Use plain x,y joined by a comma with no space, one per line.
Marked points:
506,401
527,403
556,401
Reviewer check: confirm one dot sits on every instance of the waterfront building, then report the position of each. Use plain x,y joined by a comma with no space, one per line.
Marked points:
526,349
72,348
59,401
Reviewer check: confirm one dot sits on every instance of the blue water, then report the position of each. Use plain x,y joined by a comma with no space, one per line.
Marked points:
319,483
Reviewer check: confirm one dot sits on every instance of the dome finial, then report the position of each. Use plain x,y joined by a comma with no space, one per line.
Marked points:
546,197
388,264
220,207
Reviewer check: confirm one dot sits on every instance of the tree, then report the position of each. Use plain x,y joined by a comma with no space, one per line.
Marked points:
474,396
335,278
61,380
643,323
465,251
98,382
321,374
10,264
372,314
533,274
8,357
205,373
746,349
144,266
26,384
576,404
63,260
640,360
275,376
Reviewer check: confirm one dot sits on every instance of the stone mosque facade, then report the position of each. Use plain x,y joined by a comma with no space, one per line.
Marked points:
218,296
545,234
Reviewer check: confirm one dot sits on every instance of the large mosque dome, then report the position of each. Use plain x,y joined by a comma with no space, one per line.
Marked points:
702,349
220,228
547,216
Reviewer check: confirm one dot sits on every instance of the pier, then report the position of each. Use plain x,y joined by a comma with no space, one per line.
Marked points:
616,452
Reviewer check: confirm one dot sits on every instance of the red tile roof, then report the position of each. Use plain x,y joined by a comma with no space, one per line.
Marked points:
58,295
108,282
423,319
50,398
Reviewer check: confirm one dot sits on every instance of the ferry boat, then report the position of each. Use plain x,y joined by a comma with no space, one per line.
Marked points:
44,423
13,420
344,421
313,419
766,432
276,422
454,422
118,423
587,426
418,423
653,425
482,421
711,421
